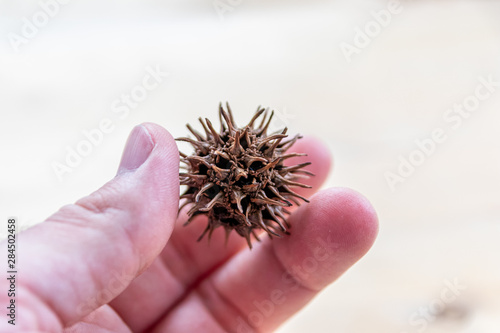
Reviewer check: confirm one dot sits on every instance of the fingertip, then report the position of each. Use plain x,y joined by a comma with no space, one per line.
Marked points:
328,236
349,216
165,147
162,166
160,134
158,179
336,229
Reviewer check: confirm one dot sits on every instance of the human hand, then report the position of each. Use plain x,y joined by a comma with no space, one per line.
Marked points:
119,260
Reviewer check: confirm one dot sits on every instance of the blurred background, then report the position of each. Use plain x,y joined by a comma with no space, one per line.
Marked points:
406,95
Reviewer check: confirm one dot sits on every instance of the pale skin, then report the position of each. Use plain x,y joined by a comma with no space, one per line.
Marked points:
119,260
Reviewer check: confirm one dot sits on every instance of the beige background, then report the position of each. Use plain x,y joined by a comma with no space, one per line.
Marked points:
442,223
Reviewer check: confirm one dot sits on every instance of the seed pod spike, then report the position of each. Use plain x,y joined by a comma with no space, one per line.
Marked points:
249,242
268,201
210,232
193,209
197,160
257,115
236,148
203,189
269,165
226,238
265,142
294,194
278,195
184,204
284,157
247,220
195,133
255,235
226,118
230,114
193,176
186,196
250,159
222,126
285,170
284,146
295,175
273,202
289,182
214,132
266,111
280,214
207,132
305,172
277,142
277,231
204,232
191,218
222,154
275,218
196,144
294,200
190,175
211,203
247,136
264,226
238,172
263,131
238,196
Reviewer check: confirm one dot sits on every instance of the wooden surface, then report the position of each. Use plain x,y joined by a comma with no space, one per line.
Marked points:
440,226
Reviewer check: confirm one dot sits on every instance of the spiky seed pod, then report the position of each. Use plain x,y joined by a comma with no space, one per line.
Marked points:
237,177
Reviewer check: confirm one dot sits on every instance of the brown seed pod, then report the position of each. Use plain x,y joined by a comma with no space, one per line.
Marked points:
236,177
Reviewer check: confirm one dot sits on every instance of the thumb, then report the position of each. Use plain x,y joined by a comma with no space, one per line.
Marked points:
88,252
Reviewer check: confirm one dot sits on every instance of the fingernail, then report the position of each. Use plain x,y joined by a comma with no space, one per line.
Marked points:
138,148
